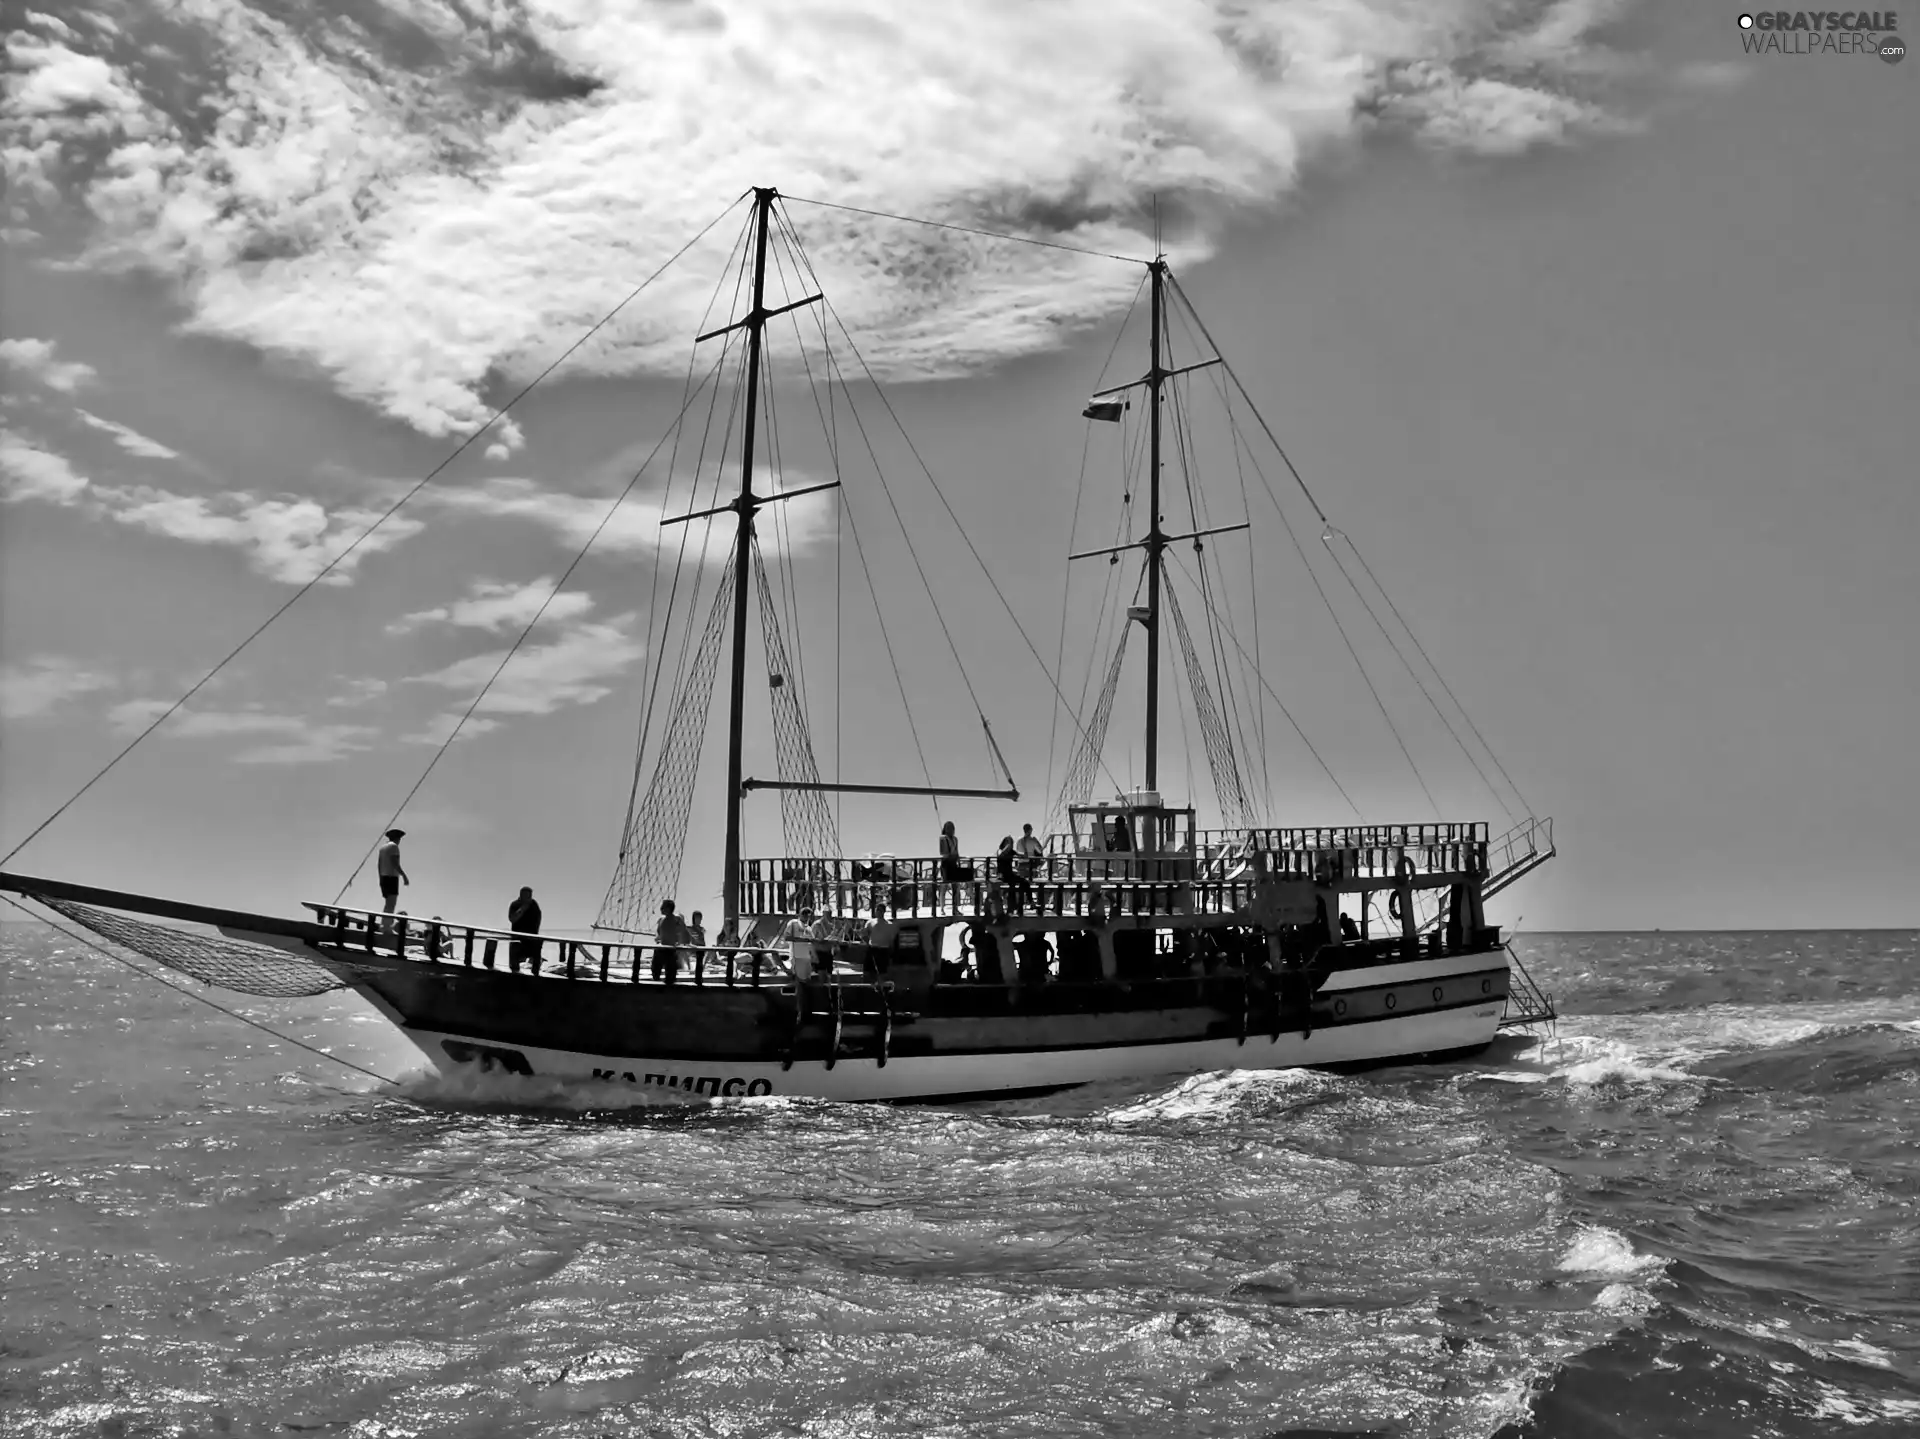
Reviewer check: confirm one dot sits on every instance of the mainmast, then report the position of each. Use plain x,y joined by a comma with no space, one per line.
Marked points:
746,505
1156,540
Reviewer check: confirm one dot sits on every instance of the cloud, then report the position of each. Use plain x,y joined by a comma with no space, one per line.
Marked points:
130,440
32,472
572,669
285,538
44,683
36,358
440,728
286,739
427,210
358,692
501,608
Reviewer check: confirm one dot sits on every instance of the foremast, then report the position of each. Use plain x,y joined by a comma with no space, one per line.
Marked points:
1156,540
746,505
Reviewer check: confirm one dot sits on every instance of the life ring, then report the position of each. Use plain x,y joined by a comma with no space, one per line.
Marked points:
1393,1001
1393,904
1404,870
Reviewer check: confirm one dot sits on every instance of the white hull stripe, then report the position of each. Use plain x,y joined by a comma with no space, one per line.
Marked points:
1439,966
930,1076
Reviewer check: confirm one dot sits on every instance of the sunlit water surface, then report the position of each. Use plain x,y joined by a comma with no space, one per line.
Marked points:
1696,1212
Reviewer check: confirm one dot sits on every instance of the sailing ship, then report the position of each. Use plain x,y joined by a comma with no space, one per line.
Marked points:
1130,942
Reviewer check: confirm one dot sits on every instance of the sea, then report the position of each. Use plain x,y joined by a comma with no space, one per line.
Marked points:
1692,1209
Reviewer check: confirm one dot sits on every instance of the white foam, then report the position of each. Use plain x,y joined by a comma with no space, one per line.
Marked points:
1861,1352
1601,1252
1201,1095
1831,1402
1618,1298
1587,1060
530,1091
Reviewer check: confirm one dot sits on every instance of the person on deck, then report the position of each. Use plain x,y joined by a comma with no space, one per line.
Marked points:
1032,852
951,873
669,934
387,865
798,938
523,917
1006,867
697,942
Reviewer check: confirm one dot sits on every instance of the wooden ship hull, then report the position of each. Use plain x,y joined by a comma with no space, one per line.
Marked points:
1183,975
847,1042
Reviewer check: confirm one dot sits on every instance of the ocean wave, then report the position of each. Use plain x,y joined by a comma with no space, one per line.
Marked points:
1220,1093
1585,1060
474,1088
1601,1253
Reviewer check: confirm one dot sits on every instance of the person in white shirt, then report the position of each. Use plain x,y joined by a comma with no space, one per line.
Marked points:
1032,851
798,936
387,863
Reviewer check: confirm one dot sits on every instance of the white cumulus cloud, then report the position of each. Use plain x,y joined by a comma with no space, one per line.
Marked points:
44,683
501,608
38,358
130,440
288,539
430,209
574,668
30,471
277,738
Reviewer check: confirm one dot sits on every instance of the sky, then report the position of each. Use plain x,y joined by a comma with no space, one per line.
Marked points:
1591,331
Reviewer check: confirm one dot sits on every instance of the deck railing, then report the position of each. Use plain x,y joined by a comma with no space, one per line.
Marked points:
472,946
1219,879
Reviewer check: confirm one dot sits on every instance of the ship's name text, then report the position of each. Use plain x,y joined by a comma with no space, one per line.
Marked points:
699,1084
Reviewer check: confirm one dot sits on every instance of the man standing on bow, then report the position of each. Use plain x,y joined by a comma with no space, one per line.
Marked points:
392,876
523,917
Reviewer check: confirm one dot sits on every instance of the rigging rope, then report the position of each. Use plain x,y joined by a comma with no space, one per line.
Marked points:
1325,768
1320,589
1077,787
653,849
1073,533
362,537
1221,762
654,608
966,539
806,822
1326,539
213,1004
1436,671
1329,527
514,649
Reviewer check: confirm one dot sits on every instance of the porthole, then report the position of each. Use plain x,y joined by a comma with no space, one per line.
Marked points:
1393,1001
1486,986
1339,1007
1437,992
